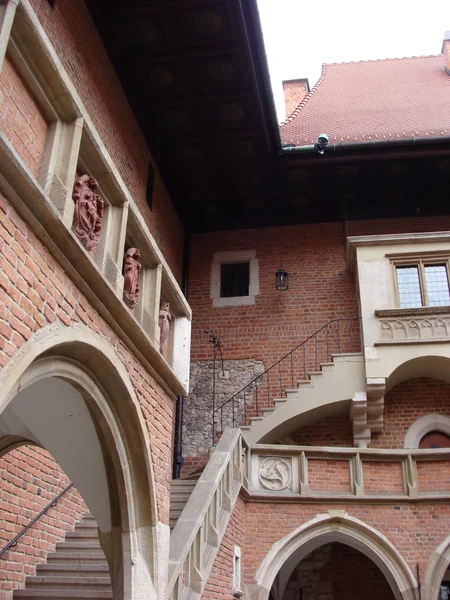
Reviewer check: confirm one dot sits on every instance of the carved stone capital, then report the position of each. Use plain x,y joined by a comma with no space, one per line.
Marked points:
358,415
376,388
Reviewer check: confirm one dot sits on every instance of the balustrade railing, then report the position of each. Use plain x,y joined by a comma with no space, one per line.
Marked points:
346,473
338,336
197,534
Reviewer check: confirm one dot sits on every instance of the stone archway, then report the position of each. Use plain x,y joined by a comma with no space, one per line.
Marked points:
437,566
336,526
73,371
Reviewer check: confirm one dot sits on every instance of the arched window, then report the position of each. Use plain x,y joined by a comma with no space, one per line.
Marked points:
435,439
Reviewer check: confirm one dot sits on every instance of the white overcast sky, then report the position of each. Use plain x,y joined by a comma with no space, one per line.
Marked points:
300,35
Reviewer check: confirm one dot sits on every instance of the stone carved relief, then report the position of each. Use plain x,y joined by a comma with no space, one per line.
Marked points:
164,325
407,328
87,219
275,474
132,276
208,23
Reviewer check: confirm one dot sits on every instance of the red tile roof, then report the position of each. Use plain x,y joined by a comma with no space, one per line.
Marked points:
374,100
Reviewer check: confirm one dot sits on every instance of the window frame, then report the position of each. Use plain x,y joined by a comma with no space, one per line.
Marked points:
419,261
237,256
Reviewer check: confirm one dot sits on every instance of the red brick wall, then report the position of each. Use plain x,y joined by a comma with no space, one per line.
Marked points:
354,576
34,292
21,117
329,475
382,477
407,402
415,530
333,431
74,37
29,480
320,288
220,582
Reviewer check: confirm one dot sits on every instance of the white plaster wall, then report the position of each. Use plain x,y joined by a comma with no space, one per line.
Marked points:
54,414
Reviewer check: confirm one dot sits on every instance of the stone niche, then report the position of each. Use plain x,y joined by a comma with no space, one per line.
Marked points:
197,418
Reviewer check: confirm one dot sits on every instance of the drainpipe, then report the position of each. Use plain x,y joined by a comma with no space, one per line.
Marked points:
178,459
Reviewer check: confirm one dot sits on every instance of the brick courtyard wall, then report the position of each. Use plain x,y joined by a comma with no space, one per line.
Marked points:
220,581
320,288
29,480
332,431
21,117
415,530
72,32
34,292
407,402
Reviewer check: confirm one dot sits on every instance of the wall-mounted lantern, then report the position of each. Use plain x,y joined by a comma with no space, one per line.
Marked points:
282,280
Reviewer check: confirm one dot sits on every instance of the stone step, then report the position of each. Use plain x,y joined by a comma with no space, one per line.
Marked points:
77,558
83,535
254,420
82,525
279,402
63,594
83,570
68,583
315,374
86,547
267,411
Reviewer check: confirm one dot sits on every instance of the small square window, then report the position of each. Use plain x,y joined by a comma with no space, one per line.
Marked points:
234,280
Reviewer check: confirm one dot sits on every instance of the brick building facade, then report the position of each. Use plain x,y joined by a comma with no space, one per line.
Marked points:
320,486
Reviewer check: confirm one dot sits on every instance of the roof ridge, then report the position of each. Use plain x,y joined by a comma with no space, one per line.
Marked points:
373,60
305,100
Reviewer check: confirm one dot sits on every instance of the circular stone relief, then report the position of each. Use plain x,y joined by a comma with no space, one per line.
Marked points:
274,474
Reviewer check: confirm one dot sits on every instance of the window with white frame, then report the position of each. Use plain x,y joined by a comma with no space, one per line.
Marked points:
234,278
422,282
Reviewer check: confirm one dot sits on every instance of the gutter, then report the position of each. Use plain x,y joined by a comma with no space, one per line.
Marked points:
369,145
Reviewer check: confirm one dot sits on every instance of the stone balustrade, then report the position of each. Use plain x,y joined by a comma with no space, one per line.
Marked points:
425,324
197,534
337,474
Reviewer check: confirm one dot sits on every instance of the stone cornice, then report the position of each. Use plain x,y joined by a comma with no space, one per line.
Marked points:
354,242
413,312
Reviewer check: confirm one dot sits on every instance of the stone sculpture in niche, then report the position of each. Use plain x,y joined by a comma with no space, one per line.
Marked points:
87,219
132,276
164,325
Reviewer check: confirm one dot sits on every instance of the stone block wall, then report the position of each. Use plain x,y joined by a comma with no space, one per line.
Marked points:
29,480
197,418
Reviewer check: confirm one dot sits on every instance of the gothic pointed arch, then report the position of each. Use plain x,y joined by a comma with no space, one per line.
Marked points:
337,526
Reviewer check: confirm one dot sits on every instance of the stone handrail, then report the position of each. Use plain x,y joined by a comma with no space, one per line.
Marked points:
337,473
197,534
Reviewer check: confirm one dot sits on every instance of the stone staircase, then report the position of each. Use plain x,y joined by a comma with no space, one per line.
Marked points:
336,382
77,568
180,492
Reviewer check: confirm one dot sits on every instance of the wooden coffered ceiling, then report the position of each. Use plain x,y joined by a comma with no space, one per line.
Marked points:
196,76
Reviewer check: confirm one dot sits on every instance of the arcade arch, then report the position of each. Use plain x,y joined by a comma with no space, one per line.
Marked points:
67,391
333,527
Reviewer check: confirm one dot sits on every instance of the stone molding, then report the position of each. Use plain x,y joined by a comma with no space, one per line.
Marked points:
74,354
424,425
335,526
220,258
435,571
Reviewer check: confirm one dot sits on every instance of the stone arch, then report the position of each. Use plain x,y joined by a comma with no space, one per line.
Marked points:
435,571
424,425
433,366
336,526
79,359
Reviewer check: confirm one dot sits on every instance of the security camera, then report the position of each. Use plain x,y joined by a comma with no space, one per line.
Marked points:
321,143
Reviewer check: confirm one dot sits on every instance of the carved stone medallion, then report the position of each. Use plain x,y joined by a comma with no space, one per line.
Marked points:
87,219
132,276
275,474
